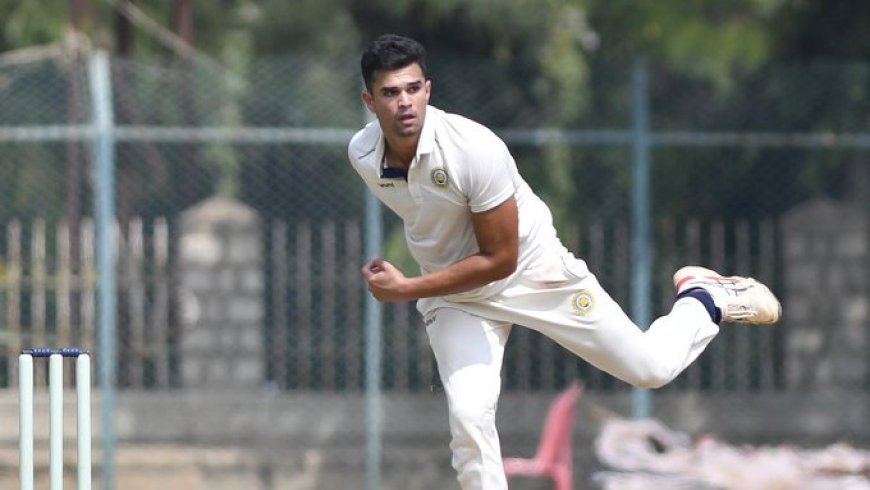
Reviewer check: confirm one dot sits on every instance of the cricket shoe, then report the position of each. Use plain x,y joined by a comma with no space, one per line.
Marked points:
739,299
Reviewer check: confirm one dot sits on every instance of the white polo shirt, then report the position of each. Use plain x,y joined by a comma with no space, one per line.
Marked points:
461,167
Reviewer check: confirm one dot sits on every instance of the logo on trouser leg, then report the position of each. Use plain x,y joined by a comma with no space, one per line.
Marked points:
582,302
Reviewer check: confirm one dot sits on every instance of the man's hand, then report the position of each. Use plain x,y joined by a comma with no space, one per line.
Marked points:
385,281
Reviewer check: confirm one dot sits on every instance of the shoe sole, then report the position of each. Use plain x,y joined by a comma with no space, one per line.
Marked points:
764,296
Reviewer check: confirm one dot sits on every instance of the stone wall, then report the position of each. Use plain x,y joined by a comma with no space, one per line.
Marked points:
221,296
226,429
229,440
826,300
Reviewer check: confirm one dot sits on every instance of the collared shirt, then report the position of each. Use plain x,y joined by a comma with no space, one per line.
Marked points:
460,167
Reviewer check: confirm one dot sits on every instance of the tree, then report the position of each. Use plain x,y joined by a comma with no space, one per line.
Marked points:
825,35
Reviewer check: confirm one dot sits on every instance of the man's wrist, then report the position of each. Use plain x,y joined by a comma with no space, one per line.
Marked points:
407,289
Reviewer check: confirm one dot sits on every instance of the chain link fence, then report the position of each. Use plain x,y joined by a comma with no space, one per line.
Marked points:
240,231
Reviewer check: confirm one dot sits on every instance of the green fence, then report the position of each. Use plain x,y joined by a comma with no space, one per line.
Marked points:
652,172
274,139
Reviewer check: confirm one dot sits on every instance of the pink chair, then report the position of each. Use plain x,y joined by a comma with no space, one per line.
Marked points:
553,458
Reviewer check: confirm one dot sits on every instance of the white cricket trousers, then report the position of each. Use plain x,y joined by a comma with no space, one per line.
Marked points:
468,340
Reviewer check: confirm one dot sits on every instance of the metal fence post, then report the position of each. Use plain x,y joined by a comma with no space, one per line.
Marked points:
641,244
104,210
374,240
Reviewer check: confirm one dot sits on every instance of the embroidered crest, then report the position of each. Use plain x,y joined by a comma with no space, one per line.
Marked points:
582,302
440,177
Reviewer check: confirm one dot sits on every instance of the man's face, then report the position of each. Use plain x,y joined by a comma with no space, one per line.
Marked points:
398,98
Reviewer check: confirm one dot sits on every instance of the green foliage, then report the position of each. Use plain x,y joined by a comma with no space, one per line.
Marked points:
32,183
29,23
322,27
506,63
818,30
708,40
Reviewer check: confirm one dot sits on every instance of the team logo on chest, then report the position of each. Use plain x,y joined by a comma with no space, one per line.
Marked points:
582,302
439,177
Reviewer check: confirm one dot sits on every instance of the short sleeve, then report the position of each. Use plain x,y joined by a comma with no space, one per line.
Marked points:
492,180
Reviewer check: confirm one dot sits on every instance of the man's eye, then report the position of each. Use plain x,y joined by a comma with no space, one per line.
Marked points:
413,90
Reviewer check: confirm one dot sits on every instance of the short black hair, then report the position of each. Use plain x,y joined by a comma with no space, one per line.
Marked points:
391,52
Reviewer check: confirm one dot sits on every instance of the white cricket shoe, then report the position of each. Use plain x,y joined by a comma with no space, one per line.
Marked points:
740,299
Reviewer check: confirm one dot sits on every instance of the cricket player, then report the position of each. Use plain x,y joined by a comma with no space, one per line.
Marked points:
489,258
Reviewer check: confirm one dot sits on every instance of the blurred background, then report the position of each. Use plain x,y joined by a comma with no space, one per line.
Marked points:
175,196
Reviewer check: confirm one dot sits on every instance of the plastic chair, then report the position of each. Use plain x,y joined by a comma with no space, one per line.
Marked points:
553,457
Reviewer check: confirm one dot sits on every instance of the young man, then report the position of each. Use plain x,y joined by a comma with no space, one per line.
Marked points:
490,258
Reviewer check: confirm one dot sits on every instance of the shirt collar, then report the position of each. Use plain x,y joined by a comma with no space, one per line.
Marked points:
427,134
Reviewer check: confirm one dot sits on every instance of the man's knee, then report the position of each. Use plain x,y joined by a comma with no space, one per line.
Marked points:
477,413
652,377
651,383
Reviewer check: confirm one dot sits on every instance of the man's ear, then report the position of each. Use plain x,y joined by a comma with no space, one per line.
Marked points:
428,89
367,99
